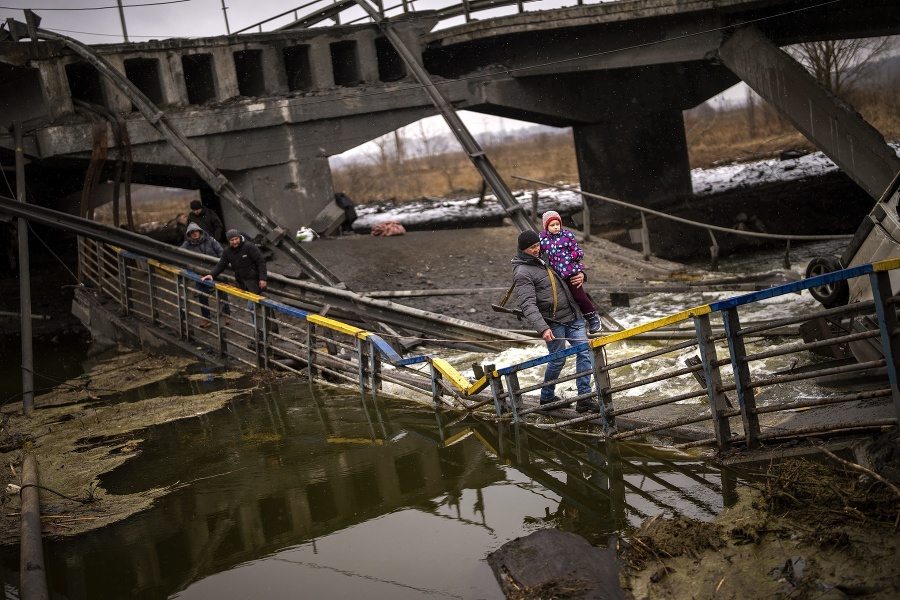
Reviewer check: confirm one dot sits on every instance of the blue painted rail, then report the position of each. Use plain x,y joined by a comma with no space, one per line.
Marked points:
729,397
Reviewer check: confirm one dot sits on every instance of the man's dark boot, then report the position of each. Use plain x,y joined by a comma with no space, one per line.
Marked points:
556,399
587,405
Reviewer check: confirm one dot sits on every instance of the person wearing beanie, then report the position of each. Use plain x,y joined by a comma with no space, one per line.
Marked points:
247,261
549,307
565,258
528,238
206,219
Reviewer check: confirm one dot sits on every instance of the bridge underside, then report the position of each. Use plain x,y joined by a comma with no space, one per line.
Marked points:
269,109
627,124
621,83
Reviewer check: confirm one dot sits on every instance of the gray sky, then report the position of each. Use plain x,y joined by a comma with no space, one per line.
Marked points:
190,18
160,19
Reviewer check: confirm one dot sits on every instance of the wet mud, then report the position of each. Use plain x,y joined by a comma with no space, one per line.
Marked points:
804,530
77,434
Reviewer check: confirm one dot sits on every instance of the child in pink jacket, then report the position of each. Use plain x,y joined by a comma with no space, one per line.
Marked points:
565,257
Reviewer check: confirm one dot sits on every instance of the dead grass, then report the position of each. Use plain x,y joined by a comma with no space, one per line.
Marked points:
713,137
161,208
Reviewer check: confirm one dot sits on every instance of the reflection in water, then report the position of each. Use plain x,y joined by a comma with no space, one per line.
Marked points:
310,492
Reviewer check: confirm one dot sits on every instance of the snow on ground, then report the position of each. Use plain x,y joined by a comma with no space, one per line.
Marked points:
706,182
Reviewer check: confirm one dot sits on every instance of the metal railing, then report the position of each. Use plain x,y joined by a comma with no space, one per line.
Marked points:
727,394
314,12
644,232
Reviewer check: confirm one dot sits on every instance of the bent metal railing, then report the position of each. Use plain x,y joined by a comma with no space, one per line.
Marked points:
315,12
726,394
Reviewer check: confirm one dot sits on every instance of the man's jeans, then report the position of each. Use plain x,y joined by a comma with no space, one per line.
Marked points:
203,297
575,334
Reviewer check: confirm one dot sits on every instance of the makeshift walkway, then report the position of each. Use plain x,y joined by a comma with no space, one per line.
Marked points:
731,399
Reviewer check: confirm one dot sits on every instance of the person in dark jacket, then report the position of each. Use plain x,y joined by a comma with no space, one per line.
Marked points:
247,261
197,240
206,219
551,310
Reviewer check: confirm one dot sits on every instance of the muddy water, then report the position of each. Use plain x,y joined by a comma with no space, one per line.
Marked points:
304,491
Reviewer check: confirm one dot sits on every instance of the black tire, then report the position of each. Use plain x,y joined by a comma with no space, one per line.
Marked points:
830,294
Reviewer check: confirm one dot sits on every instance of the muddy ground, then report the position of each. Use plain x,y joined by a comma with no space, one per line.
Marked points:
475,260
803,530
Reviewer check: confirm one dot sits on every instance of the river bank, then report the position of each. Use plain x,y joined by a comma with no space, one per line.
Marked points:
824,529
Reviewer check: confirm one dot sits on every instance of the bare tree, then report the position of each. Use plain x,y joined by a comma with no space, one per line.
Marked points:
841,65
751,112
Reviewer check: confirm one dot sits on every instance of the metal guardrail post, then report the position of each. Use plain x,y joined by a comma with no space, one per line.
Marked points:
220,325
890,335
124,291
98,248
81,259
604,397
183,313
151,305
436,391
374,368
262,337
361,364
718,402
746,397
496,385
645,237
586,218
513,396
310,351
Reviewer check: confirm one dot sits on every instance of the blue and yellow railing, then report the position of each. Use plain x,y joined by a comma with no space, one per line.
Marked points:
262,332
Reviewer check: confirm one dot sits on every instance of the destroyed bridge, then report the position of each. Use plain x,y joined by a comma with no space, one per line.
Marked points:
265,109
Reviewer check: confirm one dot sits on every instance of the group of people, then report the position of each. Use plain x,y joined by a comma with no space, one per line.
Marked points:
548,278
202,234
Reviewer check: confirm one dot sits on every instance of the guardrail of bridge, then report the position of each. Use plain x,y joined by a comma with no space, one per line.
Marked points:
315,12
259,331
710,401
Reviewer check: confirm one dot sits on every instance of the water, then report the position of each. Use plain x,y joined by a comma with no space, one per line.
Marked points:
648,307
313,491
304,491
56,359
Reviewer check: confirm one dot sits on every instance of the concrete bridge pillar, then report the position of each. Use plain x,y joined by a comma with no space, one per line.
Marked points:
320,64
224,76
367,56
116,101
641,159
172,75
57,98
274,75
291,193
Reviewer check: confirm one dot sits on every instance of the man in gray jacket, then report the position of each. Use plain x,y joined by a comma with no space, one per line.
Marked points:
552,311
